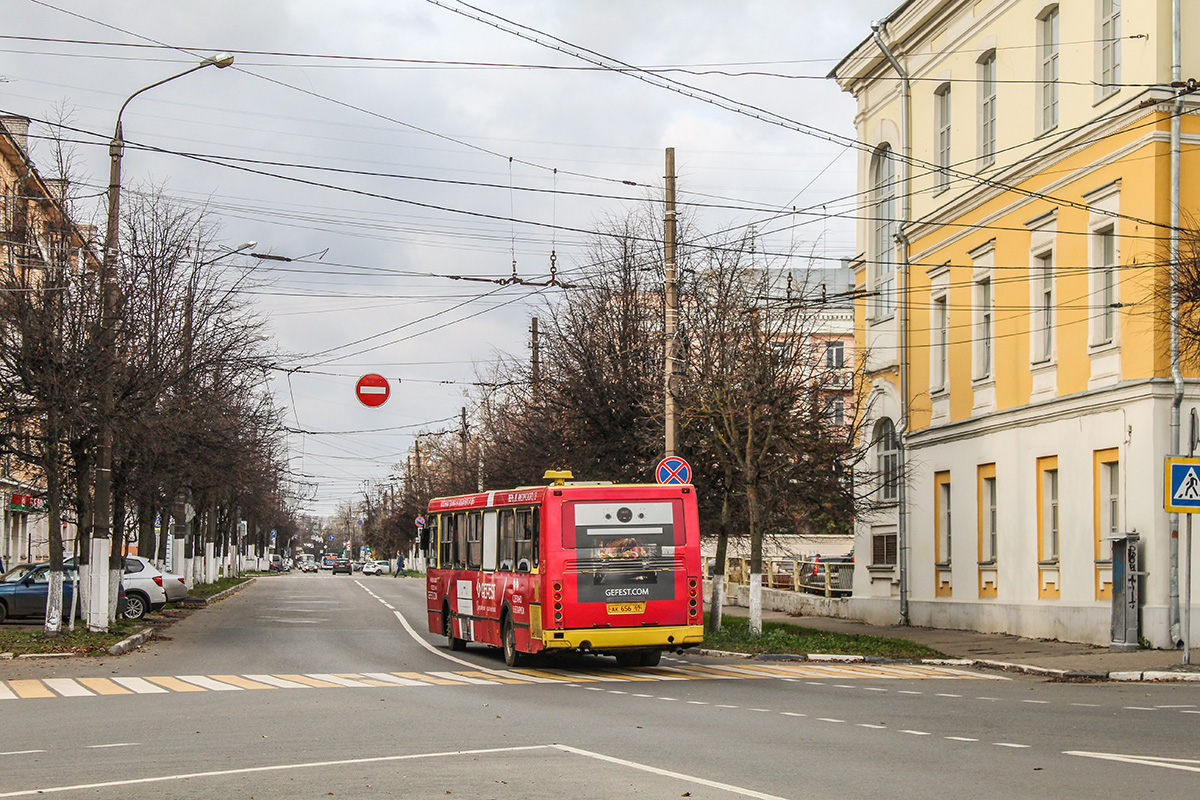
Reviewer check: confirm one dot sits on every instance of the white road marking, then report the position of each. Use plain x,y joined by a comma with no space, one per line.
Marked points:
1185,764
909,691
830,719
784,713
1010,744
21,752
208,683
948,695
114,744
6,693
139,686
960,739
1138,708
323,676
872,727
281,683
916,733
184,776
727,787
874,689
1037,702
1087,705
67,687
387,677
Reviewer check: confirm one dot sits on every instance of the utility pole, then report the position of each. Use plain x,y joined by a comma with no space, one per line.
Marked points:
535,366
671,310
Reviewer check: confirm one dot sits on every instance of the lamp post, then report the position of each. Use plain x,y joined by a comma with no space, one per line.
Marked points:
98,577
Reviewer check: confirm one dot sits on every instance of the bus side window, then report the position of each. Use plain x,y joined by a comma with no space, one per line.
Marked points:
489,541
460,541
507,548
526,539
474,540
446,541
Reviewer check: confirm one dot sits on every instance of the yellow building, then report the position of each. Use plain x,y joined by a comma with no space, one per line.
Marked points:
1015,227
34,232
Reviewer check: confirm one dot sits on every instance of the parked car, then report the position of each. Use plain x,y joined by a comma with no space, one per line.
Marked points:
24,589
343,565
175,587
376,568
145,587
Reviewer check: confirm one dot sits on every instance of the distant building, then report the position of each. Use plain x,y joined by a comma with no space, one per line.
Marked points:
1020,380
34,231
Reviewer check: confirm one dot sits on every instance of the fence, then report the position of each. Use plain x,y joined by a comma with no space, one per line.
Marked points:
831,578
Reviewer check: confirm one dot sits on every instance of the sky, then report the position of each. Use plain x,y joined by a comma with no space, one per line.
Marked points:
384,145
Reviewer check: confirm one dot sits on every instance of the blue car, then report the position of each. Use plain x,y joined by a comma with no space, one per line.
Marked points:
24,589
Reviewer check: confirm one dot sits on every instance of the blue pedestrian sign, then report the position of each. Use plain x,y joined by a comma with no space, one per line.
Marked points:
1182,482
673,469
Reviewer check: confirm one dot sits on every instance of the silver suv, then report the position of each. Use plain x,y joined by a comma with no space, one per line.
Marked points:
144,589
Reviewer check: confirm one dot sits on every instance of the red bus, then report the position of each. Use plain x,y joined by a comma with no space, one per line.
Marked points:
601,568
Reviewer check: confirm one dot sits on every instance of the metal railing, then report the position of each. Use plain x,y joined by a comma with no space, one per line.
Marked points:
813,576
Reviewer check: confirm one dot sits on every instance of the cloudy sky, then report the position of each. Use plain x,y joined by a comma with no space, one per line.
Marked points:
386,144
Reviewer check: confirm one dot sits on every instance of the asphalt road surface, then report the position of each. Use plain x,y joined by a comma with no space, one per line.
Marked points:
322,686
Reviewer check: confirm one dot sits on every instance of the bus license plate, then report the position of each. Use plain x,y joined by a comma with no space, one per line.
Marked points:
626,608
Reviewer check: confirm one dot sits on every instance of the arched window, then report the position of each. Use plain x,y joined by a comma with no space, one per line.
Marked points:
883,243
887,459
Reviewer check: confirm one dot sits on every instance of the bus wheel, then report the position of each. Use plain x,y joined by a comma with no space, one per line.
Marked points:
512,656
629,659
448,629
650,658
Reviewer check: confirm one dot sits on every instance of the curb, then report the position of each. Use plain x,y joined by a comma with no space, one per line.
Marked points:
219,596
133,642
1003,666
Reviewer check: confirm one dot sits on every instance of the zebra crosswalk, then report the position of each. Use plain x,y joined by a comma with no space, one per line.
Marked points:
37,688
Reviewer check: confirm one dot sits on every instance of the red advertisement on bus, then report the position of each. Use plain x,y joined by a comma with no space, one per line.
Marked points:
602,568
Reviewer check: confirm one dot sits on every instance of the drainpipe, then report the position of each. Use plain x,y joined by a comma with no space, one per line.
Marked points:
902,309
1176,373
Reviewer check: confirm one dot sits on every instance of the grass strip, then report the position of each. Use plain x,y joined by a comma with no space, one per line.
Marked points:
782,637
81,641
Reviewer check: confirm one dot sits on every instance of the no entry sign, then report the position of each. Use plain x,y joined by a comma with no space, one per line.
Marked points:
372,390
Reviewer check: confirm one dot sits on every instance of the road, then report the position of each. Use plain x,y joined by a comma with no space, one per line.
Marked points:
319,686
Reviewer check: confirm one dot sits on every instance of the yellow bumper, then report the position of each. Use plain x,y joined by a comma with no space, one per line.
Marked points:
613,638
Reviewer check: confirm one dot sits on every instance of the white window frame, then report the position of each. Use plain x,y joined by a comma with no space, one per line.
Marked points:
987,109
1109,36
989,520
835,353
1104,256
887,455
1048,52
940,329
1052,521
982,312
943,122
883,239
1041,334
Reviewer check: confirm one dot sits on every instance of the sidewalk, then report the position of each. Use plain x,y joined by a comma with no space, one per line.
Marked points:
1001,651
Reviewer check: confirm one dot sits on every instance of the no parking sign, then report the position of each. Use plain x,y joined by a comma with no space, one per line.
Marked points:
673,469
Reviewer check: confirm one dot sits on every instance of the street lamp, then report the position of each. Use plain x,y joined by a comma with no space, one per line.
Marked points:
102,515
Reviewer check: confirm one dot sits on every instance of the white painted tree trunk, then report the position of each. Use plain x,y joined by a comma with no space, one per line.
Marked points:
114,591
54,604
210,563
717,604
197,566
97,585
756,603
178,566
74,602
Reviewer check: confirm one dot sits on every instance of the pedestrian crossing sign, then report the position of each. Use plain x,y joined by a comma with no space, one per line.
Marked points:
1182,483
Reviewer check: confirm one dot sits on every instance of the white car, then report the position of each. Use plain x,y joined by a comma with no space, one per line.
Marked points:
375,568
175,586
145,589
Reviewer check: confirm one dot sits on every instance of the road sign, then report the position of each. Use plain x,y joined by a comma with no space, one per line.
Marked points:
673,469
1182,483
372,390
420,521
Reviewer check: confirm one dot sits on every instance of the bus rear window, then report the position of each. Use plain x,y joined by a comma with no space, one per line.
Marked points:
622,530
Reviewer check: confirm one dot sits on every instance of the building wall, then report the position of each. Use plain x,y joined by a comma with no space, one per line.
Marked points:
1004,408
